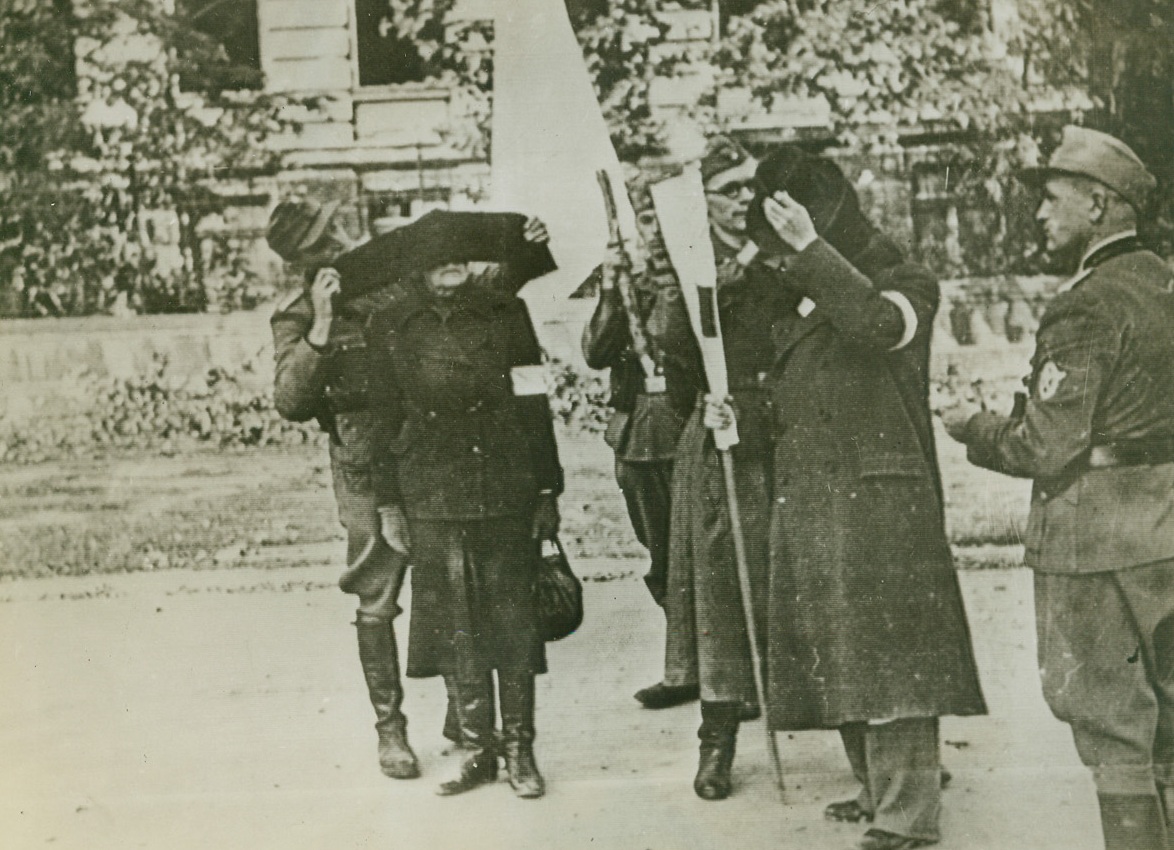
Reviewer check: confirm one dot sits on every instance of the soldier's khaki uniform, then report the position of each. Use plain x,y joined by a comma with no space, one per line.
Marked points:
1097,437
331,386
642,431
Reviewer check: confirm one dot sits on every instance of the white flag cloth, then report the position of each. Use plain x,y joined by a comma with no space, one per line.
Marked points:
549,139
684,223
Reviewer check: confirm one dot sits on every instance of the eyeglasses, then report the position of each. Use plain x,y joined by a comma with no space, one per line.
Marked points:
733,189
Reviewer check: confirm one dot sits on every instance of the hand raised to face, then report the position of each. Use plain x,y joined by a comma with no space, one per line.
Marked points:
790,220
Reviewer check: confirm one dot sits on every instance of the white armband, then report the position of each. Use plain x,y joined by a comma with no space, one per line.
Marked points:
530,379
908,314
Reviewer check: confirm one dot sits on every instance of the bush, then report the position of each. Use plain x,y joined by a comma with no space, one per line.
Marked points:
578,401
161,412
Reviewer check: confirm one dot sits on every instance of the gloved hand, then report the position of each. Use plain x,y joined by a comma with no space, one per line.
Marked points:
393,526
719,413
546,517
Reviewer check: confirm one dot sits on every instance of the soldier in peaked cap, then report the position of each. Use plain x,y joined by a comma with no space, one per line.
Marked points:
468,464
706,635
1096,435
322,373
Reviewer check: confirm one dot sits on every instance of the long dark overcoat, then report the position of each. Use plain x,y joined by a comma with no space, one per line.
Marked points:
466,445
866,618
706,633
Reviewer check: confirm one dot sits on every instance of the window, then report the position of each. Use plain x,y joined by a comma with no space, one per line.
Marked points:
385,57
230,25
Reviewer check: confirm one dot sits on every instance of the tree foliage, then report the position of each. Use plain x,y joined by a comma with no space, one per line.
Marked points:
623,56
1132,76
899,64
121,125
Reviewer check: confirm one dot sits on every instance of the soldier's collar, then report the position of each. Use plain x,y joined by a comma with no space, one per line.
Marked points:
1100,252
1106,249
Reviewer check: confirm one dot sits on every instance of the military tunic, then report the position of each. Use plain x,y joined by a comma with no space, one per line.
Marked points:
1097,437
466,447
331,386
643,428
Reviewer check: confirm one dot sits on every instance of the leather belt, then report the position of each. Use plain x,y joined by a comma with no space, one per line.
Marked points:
1151,451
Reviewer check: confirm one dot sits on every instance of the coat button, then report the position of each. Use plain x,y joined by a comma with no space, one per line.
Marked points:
476,450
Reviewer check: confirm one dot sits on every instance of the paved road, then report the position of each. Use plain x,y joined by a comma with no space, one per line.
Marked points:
224,709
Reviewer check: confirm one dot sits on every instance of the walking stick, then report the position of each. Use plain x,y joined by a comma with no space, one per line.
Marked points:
684,224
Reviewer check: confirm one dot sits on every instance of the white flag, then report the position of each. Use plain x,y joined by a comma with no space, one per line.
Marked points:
549,139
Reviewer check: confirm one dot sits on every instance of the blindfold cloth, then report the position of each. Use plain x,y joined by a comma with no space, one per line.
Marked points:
439,238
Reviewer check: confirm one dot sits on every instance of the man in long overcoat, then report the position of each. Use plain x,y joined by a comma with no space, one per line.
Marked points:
706,624
467,461
866,630
1097,436
321,373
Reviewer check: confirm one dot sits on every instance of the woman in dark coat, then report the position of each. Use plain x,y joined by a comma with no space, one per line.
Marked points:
866,630
468,460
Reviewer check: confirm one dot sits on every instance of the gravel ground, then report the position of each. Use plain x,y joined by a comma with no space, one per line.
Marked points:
185,709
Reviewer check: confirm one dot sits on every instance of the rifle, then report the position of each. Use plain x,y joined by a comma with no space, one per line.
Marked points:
619,266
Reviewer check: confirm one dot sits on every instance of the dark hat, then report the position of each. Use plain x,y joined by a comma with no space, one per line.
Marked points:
724,154
295,226
438,238
818,184
1100,157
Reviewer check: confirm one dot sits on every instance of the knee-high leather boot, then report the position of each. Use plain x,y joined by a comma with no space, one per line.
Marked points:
719,736
474,701
517,734
380,660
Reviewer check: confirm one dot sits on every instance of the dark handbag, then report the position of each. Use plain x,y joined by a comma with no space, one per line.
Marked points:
559,595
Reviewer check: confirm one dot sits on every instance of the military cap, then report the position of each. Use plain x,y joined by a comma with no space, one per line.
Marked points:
1100,157
295,226
438,238
821,188
724,154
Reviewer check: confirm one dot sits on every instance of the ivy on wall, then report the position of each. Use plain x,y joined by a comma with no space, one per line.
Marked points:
116,126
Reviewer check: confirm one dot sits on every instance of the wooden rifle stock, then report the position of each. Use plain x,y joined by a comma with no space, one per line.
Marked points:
618,267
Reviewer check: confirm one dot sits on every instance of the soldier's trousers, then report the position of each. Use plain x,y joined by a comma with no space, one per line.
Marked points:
898,768
1106,653
374,572
646,487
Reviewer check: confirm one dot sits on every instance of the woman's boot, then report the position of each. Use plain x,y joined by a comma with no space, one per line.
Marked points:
452,721
517,733
474,700
380,660
719,735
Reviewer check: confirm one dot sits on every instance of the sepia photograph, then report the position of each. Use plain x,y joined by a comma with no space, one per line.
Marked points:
587,424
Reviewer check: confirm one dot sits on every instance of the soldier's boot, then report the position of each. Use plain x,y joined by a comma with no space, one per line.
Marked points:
380,660
517,733
474,700
719,738
1132,822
